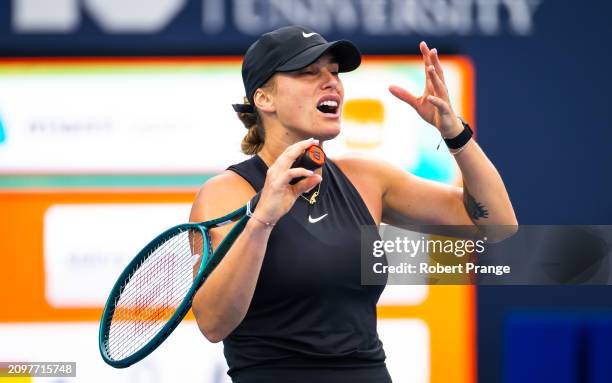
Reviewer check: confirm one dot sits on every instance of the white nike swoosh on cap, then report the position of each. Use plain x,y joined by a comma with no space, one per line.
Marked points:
307,35
315,220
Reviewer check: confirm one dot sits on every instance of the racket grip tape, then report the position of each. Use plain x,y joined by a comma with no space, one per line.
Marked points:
312,159
253,203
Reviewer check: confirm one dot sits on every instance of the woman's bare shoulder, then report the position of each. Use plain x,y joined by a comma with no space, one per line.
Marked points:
376,172
220,195
361,166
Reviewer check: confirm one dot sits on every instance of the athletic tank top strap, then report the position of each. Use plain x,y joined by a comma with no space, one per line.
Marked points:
252,170
345,187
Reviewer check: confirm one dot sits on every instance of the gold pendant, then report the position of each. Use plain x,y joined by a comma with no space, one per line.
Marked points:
313,199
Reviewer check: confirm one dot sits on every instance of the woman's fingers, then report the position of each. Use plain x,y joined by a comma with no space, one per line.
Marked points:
435,92
404,95
278,195
306,184
435,60
440,104
425,53
438,85
292,173
288,157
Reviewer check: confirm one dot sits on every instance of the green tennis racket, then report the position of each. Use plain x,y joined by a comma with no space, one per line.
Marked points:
155,291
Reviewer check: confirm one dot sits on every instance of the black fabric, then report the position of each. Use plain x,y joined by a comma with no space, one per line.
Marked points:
461,139
315,374
309,309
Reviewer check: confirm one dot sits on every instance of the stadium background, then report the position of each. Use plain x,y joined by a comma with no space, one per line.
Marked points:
76,77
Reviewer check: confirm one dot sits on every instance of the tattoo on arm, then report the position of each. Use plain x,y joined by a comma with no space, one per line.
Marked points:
474,208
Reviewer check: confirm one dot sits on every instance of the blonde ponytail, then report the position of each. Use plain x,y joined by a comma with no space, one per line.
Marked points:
253,141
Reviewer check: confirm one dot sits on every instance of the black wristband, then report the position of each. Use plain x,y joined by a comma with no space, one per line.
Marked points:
462,139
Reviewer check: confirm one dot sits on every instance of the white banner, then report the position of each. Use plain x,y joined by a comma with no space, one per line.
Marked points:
138,118
87,246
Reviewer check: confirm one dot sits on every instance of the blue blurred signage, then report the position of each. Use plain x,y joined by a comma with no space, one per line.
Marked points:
193,26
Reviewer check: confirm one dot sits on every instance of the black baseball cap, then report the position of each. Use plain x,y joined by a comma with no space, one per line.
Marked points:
287,49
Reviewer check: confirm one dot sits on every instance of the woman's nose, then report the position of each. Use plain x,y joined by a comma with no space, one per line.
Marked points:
330,79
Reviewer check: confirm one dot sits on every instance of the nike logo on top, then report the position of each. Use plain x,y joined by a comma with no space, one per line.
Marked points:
315,220
307,35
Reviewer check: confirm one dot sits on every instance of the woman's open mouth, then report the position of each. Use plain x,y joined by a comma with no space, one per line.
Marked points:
329,106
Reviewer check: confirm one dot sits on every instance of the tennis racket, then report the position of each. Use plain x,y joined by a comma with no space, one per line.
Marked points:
155,291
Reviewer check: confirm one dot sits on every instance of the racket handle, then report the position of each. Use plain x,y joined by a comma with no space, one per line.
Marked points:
312,159
253,203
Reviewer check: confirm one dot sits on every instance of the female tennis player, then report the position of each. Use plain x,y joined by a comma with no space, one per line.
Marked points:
287,300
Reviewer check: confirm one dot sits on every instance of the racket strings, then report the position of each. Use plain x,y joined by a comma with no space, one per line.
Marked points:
154,314
150,275
146,297
147,280
153,293
150,306
138,338
151,310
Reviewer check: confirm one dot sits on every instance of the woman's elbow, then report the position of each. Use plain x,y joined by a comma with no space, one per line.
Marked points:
207,323
211,332
211,336
501,231
511,226
509,229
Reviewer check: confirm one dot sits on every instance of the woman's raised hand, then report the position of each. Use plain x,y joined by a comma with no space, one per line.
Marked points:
434,104
278,195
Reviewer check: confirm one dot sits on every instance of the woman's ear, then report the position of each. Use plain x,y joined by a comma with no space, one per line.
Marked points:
264,100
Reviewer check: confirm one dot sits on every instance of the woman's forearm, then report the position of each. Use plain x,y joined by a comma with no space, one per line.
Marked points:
484,194
223,300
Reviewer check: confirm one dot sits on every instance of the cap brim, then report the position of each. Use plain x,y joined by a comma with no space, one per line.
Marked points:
344,51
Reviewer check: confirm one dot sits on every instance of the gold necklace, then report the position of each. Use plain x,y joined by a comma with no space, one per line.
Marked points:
313,198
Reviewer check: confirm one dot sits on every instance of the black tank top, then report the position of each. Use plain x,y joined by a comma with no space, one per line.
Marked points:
309,309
